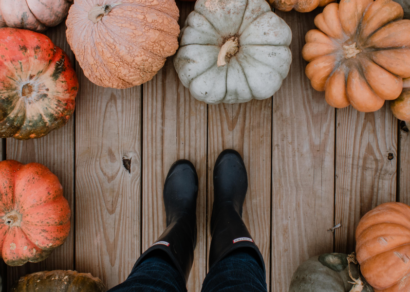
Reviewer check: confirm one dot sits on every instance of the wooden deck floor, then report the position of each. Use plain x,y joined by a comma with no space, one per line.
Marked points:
310,167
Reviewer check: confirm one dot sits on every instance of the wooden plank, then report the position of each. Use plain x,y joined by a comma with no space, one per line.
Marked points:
108,189
302,165
174,127
404,195
366,167
56,151
247,129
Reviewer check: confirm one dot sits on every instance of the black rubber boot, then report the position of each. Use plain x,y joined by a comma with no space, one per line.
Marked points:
229,232
178,241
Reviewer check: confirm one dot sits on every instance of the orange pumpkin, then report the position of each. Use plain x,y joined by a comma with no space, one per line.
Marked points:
298,5
38,86
401,106
33,14
383,247
34,215
121,44
359,54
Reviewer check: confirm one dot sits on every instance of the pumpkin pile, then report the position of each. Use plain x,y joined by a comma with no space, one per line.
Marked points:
359,54
38,86
36,15
58,281
233,51
34,215
383,247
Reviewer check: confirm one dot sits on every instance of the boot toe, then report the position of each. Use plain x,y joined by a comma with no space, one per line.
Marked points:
229,157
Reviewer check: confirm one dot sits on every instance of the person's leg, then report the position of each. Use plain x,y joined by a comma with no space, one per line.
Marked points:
232,247
173,252
238,271
156,273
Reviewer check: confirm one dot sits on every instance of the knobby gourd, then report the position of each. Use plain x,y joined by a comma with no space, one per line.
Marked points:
298,5
58,281
401,106
34,215
359,54
334,272
383,247
233,51
38,86
121,44
35,15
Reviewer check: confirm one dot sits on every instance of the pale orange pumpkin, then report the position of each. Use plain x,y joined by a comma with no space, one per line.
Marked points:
121,44
383,247
34,215
298,5
401,106
359,54
33,14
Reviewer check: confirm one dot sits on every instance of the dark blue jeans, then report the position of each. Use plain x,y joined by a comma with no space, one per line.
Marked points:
239,271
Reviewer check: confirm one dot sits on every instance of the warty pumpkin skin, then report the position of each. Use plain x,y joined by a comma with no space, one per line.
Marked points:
298,5
233,51
59,281
383,247
122,44
38,86
35,15
328,273
359,54
34,215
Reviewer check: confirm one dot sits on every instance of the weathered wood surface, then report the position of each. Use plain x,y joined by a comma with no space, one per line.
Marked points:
247,129
108,180
56,151
302,166
366,168
404,169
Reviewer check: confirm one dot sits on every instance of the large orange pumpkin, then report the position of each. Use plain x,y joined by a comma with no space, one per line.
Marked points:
38,86
359,54
34,215
33,14
121,44
298,5
383,247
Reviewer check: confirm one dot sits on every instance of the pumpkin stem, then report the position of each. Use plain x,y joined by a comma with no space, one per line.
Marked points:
12,219
357,283
351,51
228,50
27,90
98,12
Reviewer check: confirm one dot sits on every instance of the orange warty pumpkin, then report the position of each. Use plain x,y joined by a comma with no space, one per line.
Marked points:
33,14
34,215
298,5
38,86
122,44
401,106
383,247
360,53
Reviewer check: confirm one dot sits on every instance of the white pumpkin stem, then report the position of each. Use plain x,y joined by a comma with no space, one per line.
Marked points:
357,283
98,12
229,49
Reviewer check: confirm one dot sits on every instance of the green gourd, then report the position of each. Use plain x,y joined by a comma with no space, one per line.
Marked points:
58,281
334,272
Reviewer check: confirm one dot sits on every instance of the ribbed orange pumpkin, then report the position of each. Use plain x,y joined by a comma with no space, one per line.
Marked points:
401,106
33,14
383,247
360,54
298,5
121,44
34,215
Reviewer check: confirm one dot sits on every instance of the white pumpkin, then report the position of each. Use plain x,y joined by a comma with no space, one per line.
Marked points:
233,51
